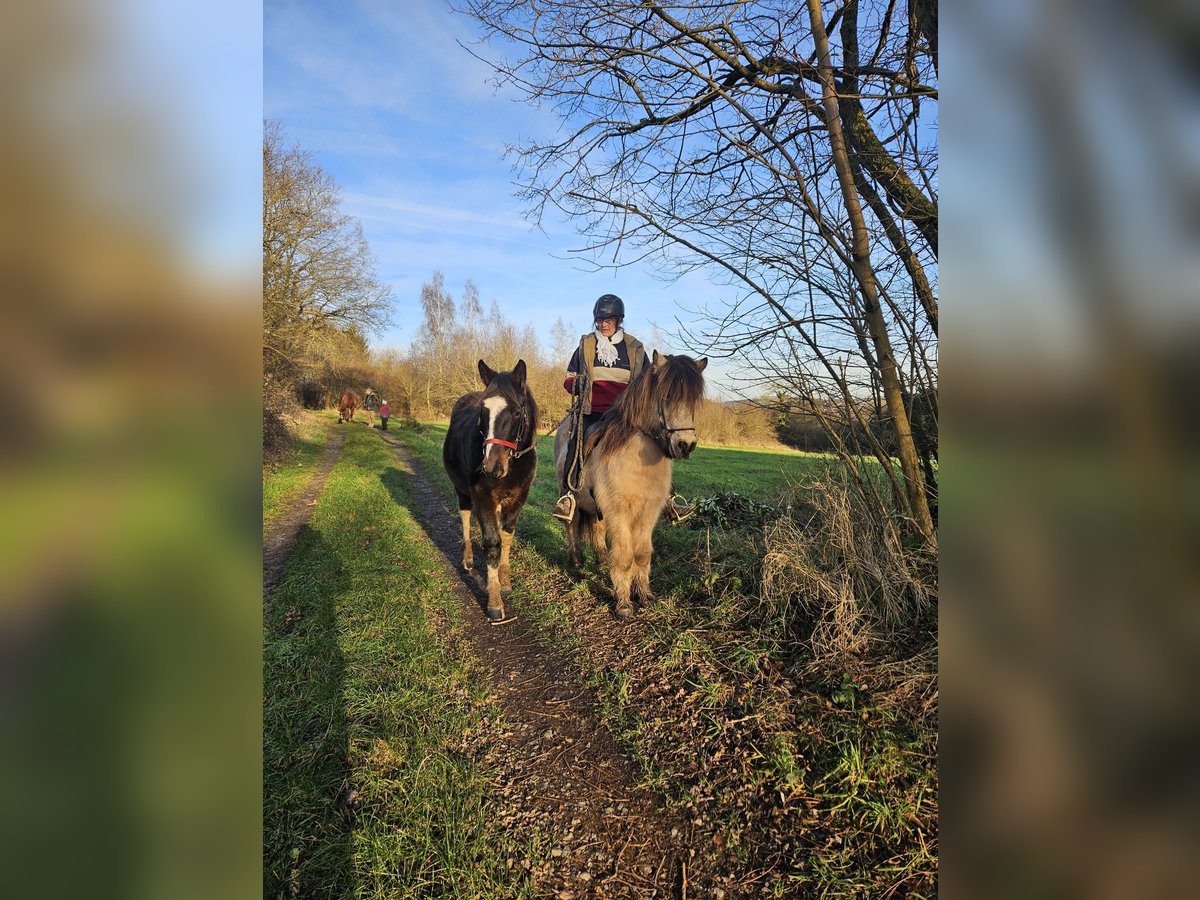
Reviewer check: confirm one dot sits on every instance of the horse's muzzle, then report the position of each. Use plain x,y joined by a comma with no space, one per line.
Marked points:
495,461
681,448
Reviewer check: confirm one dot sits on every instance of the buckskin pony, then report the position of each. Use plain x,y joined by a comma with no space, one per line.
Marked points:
346,406
490,457
625,482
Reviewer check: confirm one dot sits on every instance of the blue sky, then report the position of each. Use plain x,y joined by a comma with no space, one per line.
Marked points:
407,123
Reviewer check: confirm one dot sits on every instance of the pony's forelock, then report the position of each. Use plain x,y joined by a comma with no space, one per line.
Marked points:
677,380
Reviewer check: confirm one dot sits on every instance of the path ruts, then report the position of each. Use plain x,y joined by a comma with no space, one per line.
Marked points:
278,544
554,765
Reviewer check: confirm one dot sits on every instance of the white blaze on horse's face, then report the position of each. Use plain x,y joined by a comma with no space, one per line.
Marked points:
495,457
680,422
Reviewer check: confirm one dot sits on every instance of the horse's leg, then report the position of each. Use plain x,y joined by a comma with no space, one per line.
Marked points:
464,513
620,567
490,527
643,549
508,527
574,530
506,539
599,541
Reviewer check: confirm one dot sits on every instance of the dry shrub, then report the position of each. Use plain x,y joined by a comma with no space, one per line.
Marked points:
735,424
848,592
280,412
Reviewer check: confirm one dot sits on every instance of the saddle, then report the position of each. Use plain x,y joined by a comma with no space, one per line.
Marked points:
592,436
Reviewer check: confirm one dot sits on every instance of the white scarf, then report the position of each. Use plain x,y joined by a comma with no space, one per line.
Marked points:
606,348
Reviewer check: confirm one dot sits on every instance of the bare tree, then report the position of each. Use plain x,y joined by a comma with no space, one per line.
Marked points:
564,340
726,136
320,291
455,335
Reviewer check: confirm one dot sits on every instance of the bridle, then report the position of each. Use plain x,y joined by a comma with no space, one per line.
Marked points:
513,445
663,437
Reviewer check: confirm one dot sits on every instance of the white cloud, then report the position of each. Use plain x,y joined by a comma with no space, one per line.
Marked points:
416,214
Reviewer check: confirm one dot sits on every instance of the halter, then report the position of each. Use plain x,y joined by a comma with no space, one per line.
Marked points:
513,445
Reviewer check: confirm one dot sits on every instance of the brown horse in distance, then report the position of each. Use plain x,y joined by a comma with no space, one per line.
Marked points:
346,406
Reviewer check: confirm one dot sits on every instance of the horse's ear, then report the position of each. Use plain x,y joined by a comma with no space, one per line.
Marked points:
656,361
701,363
518,374
486,373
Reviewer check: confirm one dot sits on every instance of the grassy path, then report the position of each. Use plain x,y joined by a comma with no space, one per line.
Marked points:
555,765
791,793
292,506
286,479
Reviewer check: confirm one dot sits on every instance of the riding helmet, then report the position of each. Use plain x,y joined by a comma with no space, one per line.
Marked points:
608,305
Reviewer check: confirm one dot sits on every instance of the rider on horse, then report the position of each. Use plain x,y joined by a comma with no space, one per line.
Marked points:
600,370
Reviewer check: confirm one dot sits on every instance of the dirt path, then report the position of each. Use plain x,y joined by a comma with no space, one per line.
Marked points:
555,766
281,538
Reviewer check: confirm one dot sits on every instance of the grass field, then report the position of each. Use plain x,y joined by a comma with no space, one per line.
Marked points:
810,787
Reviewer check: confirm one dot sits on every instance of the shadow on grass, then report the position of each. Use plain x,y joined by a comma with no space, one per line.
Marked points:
441,525
306,835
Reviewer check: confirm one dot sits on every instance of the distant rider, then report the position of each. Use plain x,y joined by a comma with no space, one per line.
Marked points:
371,404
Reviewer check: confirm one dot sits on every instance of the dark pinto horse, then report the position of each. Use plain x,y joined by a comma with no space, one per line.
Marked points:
626,478
346,406
490,457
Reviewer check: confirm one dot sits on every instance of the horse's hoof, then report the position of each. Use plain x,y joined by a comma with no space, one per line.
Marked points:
624,614
495,614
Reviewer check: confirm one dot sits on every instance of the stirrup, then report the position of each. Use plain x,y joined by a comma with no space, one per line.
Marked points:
565,508
678,512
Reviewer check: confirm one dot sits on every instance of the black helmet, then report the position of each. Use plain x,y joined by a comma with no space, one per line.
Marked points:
608,305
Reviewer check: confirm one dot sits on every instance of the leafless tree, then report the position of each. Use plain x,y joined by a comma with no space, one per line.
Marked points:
454,335
320,291
736,138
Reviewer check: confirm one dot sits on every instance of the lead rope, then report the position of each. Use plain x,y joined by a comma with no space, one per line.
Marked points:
577,421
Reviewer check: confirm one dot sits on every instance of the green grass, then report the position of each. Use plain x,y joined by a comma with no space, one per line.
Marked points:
877,786
763,475
286,480
361,696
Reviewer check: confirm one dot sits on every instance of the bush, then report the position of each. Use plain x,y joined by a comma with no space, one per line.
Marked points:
279,417
852,598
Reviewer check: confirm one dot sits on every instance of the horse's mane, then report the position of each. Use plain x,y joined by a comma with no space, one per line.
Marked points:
677,380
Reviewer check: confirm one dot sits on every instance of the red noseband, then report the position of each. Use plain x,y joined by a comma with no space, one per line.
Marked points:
509,444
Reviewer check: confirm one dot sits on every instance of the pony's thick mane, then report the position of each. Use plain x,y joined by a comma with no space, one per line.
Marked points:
678,380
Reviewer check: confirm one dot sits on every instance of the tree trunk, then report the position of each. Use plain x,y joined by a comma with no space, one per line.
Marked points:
860,262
